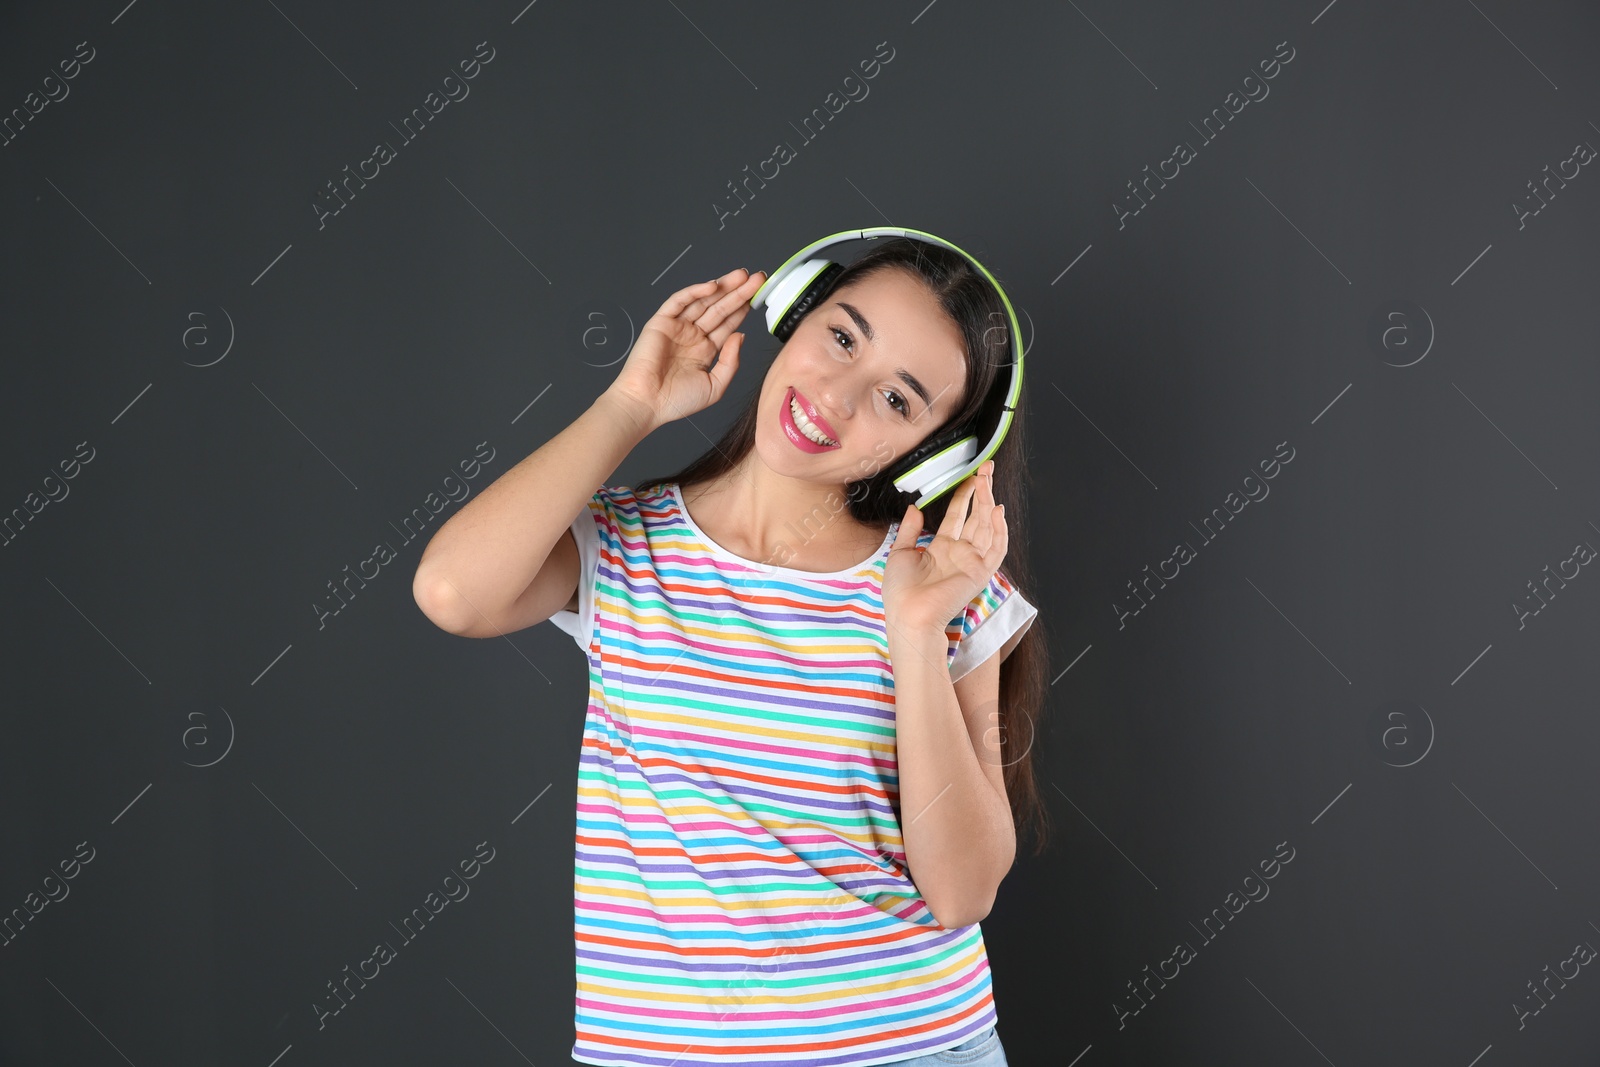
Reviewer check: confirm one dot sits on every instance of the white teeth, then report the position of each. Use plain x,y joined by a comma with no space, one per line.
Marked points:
806,426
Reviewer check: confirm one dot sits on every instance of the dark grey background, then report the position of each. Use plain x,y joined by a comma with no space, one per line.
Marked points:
1342,669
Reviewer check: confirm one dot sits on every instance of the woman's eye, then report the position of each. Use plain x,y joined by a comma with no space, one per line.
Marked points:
897,401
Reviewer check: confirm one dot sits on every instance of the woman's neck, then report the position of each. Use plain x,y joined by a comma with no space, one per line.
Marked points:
805,531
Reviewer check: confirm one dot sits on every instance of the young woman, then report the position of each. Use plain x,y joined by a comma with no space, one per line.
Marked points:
812,708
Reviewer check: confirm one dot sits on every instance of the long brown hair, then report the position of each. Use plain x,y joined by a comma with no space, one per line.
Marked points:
968,298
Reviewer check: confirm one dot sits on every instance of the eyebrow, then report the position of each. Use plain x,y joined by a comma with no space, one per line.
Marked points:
903,374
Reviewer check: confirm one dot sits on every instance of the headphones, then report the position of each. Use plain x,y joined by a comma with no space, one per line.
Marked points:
949,457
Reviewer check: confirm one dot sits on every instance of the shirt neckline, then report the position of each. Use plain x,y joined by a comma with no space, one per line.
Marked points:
772,568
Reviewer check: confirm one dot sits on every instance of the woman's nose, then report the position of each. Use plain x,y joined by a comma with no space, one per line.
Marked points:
833,401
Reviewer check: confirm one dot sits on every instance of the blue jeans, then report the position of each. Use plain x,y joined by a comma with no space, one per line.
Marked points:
979,1050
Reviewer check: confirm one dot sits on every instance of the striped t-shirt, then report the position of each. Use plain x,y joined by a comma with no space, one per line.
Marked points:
740,881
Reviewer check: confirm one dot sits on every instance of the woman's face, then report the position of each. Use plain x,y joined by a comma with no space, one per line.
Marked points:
876,368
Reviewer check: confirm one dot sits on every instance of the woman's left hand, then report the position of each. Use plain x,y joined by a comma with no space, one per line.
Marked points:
926,588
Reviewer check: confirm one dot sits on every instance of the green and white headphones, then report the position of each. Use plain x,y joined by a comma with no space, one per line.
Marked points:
949,457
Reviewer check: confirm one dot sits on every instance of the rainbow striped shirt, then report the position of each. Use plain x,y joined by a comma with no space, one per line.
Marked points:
741,893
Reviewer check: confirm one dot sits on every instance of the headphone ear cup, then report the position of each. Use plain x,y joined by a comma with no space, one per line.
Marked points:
949,438
809,297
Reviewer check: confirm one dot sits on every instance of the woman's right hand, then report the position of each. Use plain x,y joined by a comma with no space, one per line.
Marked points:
668,374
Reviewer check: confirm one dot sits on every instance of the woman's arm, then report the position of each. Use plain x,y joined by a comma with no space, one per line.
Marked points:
478,567
479,563
955,818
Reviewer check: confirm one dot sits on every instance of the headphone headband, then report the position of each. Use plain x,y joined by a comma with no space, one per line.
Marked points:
945,460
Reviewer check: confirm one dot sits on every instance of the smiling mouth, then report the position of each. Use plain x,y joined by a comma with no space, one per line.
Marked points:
798,416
